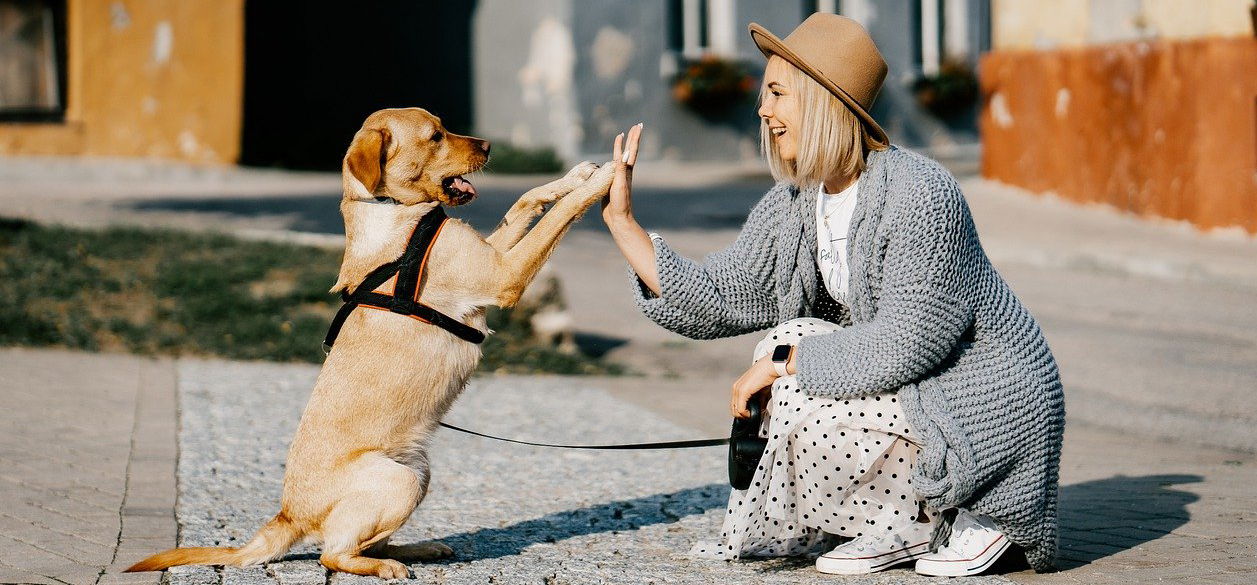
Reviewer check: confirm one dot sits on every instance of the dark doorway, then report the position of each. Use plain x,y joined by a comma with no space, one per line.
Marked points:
314,70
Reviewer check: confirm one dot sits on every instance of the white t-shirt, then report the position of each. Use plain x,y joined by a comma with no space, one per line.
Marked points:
833,221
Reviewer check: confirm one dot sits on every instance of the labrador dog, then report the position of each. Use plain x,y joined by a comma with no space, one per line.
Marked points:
358,464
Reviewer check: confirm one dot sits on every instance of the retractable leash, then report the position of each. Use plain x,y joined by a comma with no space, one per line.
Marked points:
617,447
745,446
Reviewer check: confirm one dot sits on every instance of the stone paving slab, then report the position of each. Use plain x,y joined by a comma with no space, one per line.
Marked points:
87,461
513,514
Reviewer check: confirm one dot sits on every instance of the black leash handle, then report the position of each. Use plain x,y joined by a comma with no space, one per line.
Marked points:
630,446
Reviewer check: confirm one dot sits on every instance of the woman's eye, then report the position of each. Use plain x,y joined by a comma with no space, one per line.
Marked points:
437,136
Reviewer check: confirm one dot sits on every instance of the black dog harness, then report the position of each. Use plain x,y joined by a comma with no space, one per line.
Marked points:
404,298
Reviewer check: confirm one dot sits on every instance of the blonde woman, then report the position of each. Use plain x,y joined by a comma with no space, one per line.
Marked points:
916,411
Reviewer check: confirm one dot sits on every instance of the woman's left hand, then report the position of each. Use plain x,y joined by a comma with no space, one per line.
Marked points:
759,377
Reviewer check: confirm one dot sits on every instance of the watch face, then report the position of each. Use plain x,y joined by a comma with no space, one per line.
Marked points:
781,353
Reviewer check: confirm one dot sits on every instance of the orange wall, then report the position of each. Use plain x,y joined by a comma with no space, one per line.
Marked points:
147,78
1163,128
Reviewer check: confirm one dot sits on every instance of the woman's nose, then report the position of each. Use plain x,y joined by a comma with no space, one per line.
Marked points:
765,112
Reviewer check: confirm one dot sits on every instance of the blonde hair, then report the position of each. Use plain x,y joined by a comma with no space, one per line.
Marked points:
832,140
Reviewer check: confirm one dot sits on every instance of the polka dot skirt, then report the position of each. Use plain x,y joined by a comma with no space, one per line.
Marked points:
832,466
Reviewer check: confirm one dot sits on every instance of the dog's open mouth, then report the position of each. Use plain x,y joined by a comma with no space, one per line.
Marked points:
459,189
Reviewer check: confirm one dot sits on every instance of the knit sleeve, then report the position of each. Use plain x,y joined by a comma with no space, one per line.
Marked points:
730,292
921,314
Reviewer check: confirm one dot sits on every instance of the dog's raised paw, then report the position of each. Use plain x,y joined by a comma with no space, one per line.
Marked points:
582,171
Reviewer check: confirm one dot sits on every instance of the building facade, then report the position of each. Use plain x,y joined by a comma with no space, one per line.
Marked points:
571,74
1144,105
140,78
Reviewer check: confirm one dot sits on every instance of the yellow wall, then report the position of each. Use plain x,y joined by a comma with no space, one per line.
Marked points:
1036,24
147,78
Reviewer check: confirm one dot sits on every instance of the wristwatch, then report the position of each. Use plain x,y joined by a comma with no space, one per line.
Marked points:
781,357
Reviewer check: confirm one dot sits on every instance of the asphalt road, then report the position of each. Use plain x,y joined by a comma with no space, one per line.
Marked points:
710,207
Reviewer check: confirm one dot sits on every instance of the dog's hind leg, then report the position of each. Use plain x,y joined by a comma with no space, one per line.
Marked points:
383,496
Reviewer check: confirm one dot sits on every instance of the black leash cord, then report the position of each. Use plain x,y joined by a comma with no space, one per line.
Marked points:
631,446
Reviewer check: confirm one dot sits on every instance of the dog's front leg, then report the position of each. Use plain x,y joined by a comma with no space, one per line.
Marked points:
517,266
531,204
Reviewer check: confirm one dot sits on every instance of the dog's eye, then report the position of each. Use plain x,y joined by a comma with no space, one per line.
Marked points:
437,136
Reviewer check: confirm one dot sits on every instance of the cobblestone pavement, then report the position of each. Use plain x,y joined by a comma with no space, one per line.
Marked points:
513,514
87,461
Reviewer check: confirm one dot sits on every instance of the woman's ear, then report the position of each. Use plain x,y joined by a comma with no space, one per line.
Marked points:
366,157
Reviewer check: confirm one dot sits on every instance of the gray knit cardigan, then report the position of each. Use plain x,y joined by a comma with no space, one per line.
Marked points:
930,318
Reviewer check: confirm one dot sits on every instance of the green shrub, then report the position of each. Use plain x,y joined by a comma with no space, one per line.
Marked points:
508,159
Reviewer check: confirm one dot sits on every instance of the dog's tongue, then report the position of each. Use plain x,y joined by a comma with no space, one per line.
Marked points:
462,186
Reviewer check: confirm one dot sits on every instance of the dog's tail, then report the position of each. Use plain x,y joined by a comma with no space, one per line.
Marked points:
272,540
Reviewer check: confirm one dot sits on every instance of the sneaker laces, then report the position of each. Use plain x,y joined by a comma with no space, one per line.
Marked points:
892,539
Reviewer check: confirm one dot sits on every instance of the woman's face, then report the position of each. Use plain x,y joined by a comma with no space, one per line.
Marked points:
780,108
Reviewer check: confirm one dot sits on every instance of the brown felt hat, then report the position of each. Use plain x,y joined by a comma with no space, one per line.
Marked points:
839,54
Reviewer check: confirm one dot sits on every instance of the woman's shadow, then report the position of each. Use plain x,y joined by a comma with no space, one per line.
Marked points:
1103,517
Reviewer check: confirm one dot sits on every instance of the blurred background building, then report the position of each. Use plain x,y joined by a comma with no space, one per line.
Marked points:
1147,105
272,83
572,74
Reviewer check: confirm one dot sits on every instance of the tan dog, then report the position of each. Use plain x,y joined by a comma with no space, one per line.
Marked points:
358,465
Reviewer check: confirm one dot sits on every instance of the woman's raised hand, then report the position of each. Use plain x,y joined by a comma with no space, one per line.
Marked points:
618,206
617,213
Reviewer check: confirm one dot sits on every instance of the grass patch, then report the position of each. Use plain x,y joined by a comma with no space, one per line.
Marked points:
167,292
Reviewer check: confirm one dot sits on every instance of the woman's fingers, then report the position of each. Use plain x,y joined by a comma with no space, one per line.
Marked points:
737,402
634,135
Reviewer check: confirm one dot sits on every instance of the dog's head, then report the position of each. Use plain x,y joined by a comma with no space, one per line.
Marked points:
406,156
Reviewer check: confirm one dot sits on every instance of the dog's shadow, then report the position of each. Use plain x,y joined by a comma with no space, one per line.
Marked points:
622,515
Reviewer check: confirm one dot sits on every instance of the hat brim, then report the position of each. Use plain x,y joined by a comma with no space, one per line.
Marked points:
770,45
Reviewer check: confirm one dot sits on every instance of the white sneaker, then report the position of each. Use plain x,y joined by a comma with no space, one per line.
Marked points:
974,546
874,552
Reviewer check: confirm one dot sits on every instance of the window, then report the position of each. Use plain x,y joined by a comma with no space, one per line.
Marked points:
32,60
698,27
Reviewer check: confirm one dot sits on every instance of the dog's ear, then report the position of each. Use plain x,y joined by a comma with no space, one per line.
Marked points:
367,155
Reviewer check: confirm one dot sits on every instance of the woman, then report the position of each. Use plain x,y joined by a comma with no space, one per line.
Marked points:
915,406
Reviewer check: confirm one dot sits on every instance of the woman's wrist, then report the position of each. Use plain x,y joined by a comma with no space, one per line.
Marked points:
621,224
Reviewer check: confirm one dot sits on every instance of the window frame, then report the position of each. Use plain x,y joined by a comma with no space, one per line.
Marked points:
41,114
